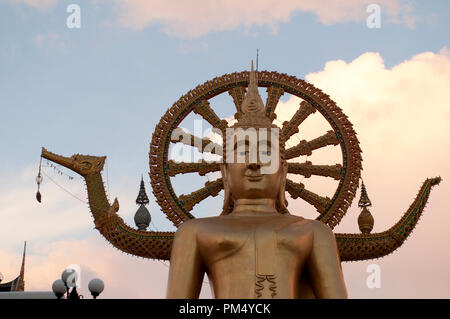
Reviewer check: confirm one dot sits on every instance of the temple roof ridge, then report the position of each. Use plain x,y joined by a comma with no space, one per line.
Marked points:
18,284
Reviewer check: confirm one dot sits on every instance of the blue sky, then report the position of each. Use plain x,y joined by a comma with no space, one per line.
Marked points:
101,89
78,80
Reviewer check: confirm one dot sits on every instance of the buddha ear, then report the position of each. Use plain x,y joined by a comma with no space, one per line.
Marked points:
227,200
223,170
282,202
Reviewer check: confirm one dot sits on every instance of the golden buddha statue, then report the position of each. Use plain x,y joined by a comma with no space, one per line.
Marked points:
258,250
255,248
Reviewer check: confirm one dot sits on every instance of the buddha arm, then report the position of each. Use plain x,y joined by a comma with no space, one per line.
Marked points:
186,267
324,266
157,245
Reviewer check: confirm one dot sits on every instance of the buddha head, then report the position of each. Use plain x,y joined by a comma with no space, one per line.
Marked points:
253,166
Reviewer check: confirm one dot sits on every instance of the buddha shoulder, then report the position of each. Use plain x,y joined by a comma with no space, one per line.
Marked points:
187,228
191,227
201,225
322,231
300,225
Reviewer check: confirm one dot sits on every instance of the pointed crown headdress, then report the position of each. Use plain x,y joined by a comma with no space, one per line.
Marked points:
253,112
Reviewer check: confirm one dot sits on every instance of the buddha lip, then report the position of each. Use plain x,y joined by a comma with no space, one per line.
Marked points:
254,177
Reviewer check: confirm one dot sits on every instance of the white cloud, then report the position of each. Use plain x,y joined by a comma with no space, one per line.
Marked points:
401,116
405,107
200,17
51,226
26,219
120,272
195,18
45,263
64,212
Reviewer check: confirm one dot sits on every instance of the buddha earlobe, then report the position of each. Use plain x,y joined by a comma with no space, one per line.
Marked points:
282,202
226,188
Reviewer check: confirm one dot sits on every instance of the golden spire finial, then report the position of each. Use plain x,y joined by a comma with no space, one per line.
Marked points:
365,218
252,101
253,111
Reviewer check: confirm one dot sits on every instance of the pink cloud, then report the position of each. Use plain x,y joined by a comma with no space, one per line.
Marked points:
401,116
124,276
196,18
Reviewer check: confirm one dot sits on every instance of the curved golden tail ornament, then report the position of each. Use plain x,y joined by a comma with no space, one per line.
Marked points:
354,247
157,245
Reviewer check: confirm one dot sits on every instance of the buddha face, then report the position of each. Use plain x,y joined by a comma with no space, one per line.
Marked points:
248,178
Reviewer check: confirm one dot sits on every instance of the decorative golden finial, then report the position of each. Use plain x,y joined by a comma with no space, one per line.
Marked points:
142,218
253,112
365,219
253,101
364,201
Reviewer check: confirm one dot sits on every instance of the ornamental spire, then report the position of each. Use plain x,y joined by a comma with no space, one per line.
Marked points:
253,101
142,218
364,200
142,196
253,113
365,218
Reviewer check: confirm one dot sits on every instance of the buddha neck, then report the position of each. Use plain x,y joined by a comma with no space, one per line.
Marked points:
254,207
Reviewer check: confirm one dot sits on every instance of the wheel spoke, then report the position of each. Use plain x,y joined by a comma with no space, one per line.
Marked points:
238,94
210,189
204,109
290,128
273,96
202,167
204,145
298,190
307,169
306,148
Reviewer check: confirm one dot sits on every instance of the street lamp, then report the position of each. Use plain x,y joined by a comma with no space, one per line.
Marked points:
59,288
96,287
69,278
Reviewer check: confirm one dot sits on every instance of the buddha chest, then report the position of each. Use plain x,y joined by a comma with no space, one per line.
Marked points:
260,241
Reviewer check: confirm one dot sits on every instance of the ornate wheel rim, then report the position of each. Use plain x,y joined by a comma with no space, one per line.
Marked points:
335,208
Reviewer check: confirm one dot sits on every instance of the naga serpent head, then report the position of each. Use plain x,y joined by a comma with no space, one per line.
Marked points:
82,164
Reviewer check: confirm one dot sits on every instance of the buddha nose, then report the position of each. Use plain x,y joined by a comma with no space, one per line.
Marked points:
254,166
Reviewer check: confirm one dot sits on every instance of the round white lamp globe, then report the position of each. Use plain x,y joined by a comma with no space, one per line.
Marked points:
96,287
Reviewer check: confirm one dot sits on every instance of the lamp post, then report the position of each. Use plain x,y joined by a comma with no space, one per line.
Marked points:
59,288
70,277
67,285
96,287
